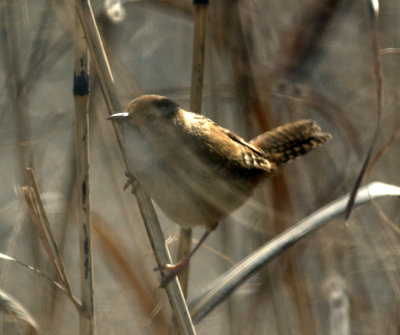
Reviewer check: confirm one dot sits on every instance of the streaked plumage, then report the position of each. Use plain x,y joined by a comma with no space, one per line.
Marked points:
196,171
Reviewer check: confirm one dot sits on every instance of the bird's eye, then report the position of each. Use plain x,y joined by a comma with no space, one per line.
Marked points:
151,118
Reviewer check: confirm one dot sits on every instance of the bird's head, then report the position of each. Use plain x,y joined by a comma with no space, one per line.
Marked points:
146,110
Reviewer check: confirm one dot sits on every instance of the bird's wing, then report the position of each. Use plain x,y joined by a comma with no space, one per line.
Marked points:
204,122
240,140
226,143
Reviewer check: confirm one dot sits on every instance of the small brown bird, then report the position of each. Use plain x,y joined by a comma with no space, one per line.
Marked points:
198,172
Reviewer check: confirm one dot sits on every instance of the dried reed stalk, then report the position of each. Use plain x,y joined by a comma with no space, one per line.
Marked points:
81,98
39,217
199,46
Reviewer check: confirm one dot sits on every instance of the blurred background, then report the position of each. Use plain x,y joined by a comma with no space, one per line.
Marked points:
267,63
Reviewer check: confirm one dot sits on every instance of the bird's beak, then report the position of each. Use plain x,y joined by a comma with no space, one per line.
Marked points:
118,116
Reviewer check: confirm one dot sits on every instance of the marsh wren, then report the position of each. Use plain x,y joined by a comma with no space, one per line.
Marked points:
198,172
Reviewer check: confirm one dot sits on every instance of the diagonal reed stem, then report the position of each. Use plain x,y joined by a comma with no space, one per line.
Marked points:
39,217
98,56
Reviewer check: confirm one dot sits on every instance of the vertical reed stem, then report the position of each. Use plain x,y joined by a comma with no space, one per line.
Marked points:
199,46
81,96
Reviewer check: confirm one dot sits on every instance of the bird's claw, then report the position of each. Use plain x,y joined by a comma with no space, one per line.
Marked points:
173,271
167,267
131,182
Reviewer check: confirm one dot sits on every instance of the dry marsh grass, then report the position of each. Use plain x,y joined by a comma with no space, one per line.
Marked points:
265,63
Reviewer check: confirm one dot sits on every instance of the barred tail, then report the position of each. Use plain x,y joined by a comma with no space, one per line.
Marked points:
290,141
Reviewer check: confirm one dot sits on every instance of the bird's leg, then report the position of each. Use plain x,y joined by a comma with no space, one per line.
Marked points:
174,269
131,182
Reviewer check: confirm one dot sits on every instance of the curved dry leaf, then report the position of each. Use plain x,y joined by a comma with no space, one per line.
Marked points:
222,287
59,286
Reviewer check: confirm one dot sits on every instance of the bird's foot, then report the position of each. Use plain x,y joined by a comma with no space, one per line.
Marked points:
131,182
173,271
